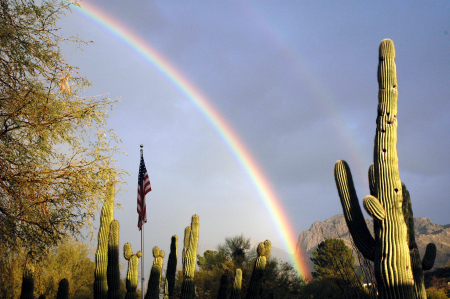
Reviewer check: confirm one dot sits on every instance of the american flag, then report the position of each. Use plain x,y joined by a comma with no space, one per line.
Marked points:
144,187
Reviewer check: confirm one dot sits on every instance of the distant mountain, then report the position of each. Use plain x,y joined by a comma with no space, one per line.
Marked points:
335,227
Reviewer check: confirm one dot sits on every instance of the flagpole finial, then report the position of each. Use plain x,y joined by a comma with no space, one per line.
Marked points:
142,145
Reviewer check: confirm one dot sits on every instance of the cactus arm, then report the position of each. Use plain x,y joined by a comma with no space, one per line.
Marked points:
429,257
374,208
372,180
352,210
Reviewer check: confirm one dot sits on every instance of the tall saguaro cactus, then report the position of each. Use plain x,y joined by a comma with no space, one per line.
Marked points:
154,282
393,251
263,250
101,255
189,258
132,271
171,270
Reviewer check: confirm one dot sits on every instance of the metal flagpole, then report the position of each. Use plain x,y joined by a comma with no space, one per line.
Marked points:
142,244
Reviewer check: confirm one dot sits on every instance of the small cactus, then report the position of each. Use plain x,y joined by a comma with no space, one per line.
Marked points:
171,270
154,282
28,281
132,271
237,286
190,258
63,289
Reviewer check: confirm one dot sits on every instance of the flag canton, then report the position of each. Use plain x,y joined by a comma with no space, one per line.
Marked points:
142,170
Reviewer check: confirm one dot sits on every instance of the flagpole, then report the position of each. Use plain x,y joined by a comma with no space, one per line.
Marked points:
142,245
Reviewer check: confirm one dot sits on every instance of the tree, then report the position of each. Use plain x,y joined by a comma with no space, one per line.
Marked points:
332,258
211,260
69,260
56,153
237,249
280,280
335,272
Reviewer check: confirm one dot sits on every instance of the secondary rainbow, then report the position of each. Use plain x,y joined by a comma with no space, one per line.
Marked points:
224,129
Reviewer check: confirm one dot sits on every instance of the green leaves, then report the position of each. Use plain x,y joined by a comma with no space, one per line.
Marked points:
56,152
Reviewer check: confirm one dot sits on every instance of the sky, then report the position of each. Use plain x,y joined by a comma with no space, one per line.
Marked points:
294,82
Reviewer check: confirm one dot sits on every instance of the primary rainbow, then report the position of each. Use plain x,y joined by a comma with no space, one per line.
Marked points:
231,139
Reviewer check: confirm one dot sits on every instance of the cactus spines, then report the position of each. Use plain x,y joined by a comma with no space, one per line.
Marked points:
398,269
189,258
132,271
63,289
237,286
101,255
113,270
28,281
154,282
263,250
169,284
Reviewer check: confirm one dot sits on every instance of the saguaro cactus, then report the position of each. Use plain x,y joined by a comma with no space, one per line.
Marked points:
154,282
113,270
101,255
390,250
63,289
132,271
263,250
237,286
169,284
189,258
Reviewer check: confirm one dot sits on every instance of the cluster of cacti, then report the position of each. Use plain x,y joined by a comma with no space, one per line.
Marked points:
132,271
398,269
63,289
154,282
113,270
263,250
171,270
101,255
189,258
237,285
28,281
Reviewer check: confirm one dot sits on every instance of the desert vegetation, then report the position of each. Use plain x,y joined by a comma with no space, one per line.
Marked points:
57,169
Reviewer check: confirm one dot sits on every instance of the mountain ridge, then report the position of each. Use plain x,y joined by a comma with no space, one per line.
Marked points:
335,227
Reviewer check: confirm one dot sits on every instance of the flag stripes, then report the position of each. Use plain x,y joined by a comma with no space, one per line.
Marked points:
144,187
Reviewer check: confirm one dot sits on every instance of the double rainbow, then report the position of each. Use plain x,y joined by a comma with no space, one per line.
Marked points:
231,139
